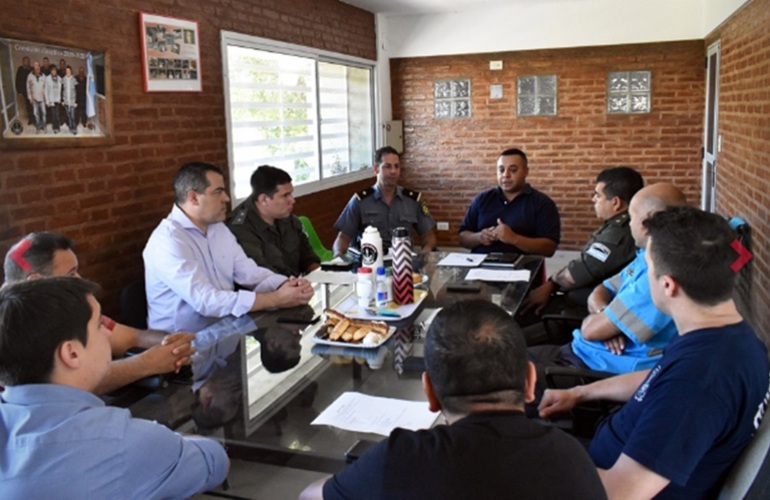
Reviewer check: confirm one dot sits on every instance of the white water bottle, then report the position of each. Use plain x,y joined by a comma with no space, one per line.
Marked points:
371,248
381,297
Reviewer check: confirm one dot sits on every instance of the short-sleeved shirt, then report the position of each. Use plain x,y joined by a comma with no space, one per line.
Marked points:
367,208
61,442
647,329
695,412
484,455
607,251
282,247
531,214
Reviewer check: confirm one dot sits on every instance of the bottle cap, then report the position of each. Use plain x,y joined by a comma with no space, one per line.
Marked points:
380,271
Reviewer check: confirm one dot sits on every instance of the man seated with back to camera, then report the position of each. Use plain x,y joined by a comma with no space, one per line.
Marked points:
478,377
49,254
686,420
266,228
59,440
193,263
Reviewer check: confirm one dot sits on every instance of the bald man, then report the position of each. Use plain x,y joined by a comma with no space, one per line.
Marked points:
624,331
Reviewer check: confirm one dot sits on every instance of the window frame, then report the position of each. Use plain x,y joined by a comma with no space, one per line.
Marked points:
231,38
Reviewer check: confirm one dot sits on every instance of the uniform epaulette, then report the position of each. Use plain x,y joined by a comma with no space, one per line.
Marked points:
240,217
415,195
364,193
620,219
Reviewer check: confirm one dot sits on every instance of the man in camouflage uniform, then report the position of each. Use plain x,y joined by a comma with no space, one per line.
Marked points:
386,206
266,229
607,251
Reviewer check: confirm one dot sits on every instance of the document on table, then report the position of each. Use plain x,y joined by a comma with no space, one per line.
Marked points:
358,412
456,259
334,277
482,274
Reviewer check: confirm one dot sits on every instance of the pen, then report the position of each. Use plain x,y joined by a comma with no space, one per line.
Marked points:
469,259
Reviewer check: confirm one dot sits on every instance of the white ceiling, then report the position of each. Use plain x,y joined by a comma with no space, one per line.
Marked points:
431,6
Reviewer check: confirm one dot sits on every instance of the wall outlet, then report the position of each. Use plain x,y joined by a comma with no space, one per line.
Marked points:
442,226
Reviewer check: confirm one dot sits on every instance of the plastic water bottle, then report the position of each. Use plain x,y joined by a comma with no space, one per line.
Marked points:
389,283
371,248
364,287
403,284
381,298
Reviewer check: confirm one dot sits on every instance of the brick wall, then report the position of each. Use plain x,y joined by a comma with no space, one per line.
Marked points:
452,160
743,171
108,199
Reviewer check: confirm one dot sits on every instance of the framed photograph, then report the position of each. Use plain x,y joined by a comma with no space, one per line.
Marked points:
53,95
170,54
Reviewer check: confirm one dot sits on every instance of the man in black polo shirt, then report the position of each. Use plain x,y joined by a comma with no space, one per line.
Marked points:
478,377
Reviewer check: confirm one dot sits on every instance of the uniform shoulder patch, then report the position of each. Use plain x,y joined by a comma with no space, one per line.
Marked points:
415,195
365,193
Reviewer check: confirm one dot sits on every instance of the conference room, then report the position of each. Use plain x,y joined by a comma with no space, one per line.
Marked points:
675,90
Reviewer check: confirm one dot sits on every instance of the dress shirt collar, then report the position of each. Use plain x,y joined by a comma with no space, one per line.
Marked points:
33,394
177,215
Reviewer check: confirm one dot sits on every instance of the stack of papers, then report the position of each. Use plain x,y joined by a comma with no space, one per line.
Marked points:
333,277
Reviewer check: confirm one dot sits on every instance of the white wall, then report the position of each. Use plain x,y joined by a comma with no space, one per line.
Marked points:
550,24
542,24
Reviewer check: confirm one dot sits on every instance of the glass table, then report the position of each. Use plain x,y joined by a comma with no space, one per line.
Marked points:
260,380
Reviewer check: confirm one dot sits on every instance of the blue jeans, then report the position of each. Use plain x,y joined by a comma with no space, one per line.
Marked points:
71,118
39,114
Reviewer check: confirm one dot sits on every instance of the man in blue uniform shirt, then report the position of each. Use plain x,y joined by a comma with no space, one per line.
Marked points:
624,331
386,206
687,419
513,217
59,440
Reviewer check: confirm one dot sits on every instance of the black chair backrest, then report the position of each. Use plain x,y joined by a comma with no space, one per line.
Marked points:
133,305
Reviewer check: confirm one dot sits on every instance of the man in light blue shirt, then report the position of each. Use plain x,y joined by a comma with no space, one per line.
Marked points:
57,439
624,331
192,262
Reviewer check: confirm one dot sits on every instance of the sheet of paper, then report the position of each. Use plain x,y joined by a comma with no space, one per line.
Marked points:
358,412
462,259
335,277
507,275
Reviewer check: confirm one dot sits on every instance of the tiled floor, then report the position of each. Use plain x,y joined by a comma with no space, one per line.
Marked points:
262,481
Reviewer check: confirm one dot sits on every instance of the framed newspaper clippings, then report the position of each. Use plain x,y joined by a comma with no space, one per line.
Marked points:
170,54
53,96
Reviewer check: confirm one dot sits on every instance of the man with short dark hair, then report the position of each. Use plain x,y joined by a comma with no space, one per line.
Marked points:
57,439
687,419
267,230
607,251
22,72
624,331
192,262
478,377
48,254
386,206
513,217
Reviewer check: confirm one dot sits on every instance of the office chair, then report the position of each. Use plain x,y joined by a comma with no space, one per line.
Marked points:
323,253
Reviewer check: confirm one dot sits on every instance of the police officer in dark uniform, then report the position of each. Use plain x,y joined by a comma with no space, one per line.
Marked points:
607,251
386,206
267,230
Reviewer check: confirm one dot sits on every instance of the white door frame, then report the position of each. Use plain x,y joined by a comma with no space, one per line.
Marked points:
712,142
